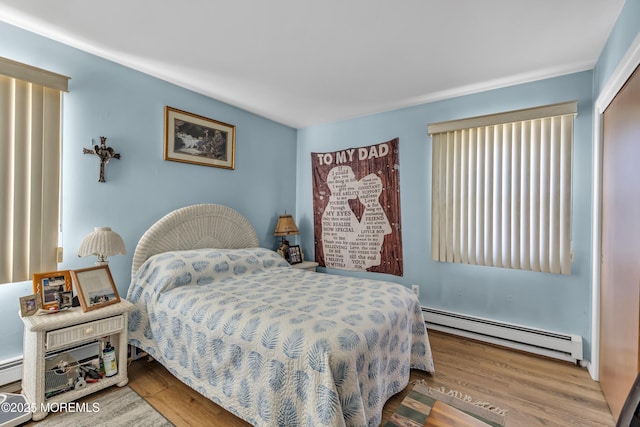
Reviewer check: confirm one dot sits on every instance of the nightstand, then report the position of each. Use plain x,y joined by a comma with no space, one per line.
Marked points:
50,333
306,265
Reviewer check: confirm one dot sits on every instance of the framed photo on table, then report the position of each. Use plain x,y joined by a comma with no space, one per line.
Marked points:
30,304
190,138
95,287
65,299
295,254
49,285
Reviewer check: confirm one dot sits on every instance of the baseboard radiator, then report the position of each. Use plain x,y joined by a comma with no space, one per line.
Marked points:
10,370
538,341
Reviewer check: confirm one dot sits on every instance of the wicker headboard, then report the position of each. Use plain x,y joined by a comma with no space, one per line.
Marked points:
195,227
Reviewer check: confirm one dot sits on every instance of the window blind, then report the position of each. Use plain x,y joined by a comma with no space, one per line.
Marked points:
501,189
30,109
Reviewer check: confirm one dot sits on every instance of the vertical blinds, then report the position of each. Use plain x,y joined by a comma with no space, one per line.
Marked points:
29,169
501,192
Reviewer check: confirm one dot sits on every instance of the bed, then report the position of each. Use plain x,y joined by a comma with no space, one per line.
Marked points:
270,343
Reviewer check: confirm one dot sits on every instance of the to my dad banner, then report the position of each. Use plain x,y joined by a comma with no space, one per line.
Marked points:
356,205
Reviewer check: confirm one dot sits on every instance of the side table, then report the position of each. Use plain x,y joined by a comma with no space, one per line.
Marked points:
306,265
63,330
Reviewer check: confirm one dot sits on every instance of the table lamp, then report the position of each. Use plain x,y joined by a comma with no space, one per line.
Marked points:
286,226
103,243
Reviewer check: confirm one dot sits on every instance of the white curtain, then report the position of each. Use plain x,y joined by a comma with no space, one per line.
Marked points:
29,170
501,192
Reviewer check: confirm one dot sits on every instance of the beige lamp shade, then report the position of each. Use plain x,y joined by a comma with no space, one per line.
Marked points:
102,242
286,226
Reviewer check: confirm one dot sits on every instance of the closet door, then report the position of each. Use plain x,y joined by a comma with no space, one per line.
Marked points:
620,274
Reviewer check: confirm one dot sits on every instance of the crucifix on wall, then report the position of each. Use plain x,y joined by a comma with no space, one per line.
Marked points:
104,153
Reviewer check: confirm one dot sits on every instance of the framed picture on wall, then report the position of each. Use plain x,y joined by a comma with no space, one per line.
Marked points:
49,285
295,254
190,138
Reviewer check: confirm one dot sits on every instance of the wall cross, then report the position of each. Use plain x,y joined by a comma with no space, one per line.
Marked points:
104,153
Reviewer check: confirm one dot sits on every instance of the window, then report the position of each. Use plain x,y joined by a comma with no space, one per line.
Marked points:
501,193
30,108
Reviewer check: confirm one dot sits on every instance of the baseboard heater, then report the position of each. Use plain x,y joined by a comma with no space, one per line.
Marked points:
10,371
538,341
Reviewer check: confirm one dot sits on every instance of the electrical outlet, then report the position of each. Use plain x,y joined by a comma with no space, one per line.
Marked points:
416,290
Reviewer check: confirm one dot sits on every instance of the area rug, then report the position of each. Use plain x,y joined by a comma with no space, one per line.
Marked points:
416,406
121,407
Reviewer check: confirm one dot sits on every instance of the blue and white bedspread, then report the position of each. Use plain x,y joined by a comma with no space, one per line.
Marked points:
277,345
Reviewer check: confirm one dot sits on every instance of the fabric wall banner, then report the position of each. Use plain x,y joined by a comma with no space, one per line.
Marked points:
356,208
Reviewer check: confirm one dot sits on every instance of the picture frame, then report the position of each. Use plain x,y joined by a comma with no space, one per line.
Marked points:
95,287
30,304
65,299
48,284
295,254
199,140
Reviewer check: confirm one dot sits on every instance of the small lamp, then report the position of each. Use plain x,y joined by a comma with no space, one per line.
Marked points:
102,242
286,226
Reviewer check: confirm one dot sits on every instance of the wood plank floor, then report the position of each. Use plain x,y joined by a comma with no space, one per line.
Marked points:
536,391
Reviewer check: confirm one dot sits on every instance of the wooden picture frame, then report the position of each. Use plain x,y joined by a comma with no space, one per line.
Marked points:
95,287
190,138
47,285
30,305
295,254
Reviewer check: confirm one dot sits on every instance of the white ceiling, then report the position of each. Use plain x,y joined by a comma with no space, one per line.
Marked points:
303,62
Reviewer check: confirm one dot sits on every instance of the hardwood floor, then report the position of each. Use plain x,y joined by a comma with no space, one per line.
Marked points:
536,391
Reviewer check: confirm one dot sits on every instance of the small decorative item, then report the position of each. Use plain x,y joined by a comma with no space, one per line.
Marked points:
65,299
30,305
102,242
95,287
104,153
190,138
286,226
295,254
47,285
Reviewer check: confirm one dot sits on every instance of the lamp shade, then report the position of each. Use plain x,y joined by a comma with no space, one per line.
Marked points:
286,226
102,242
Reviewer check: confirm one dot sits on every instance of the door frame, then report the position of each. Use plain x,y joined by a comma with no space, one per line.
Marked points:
627,65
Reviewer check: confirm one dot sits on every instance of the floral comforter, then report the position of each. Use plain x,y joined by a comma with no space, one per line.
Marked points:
277,345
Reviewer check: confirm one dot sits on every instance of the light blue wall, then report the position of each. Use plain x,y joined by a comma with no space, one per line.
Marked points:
561,303
625,31
128,108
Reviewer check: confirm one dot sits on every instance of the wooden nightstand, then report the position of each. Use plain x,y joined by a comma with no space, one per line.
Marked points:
61,331
306,265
